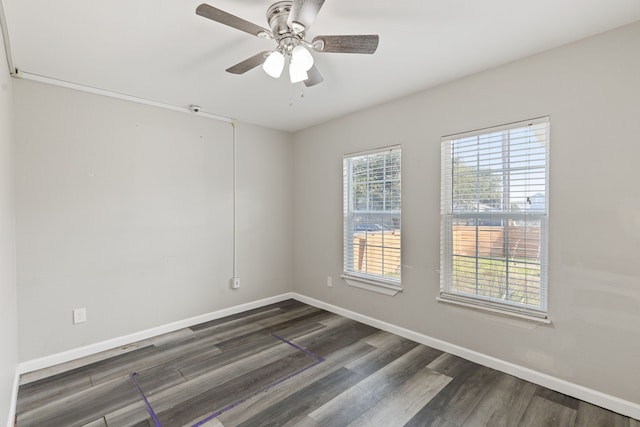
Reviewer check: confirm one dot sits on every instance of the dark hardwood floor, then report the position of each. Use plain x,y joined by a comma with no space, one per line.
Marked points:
290,364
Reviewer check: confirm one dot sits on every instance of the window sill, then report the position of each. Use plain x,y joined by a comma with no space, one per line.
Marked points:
372,285
480,307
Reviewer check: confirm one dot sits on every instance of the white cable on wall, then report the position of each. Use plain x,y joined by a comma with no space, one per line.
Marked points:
235,261
5,38
235,281
62,83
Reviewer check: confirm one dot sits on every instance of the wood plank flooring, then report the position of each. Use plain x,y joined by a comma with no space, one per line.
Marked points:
290,364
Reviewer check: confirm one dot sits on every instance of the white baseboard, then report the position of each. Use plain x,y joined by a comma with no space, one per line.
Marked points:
595,397
88,350
615,404
14,400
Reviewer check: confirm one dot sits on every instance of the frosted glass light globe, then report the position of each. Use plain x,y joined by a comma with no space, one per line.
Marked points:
274,64
302,57
297,73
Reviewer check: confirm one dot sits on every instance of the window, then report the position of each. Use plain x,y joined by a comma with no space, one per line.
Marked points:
372,217
494,212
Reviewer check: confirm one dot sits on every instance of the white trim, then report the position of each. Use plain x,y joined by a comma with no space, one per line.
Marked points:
616,404
14,400
371,285
491,129
372,151
83,88
69,355
478,305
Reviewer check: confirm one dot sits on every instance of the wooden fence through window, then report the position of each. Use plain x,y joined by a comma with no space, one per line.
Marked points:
524,242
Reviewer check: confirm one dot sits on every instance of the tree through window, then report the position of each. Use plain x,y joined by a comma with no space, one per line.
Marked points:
494,217
372,206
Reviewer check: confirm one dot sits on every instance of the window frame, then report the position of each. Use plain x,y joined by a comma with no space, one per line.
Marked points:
449,217
372,282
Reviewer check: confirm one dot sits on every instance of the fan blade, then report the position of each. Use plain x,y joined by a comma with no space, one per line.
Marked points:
249,63
231,20
346,44
314,77
304,12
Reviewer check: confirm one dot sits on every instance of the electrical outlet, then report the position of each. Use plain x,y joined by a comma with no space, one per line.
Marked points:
235,283
330,281
79,315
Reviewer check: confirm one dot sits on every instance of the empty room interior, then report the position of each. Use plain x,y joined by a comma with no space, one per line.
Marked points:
319,213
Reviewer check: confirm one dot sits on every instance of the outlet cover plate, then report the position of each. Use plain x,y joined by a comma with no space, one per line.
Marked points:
79,315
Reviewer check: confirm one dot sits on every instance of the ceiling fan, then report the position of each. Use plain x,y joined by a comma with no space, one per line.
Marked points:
289,20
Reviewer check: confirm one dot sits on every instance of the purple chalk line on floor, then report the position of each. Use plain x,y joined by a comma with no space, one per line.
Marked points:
294,345
319,359
149,409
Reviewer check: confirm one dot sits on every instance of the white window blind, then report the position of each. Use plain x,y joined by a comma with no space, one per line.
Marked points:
372,216
494,213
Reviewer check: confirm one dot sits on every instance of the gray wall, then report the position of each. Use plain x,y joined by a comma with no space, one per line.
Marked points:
591,91
126,210
8,299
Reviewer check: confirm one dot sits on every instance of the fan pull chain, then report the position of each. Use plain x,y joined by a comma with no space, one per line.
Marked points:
291,98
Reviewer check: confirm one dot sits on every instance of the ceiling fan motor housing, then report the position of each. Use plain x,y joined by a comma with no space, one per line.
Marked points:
277,16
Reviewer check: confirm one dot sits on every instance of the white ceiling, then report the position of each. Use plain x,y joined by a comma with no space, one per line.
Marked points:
161,50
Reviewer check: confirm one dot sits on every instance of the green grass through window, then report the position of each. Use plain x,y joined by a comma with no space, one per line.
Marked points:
515,280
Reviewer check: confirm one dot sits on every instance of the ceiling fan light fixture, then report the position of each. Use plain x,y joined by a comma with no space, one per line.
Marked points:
288,21
274,64
297,73
302,57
